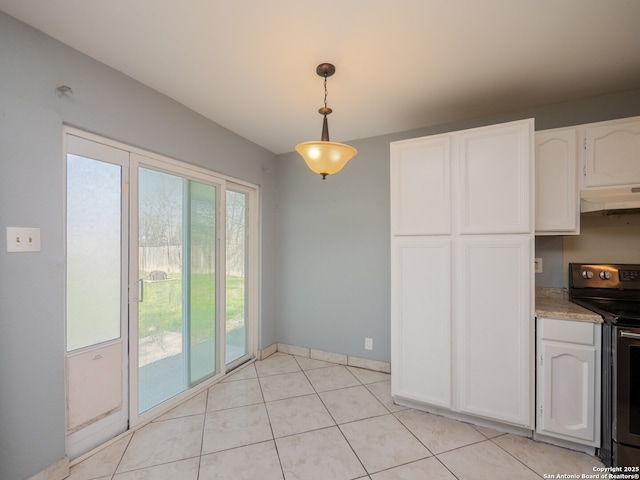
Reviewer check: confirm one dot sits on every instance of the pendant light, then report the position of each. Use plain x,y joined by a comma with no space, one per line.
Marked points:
323,156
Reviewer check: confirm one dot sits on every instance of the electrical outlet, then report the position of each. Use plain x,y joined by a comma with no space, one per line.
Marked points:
537,262
368,343
22,239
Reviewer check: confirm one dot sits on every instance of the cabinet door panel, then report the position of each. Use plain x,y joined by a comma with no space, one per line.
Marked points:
613,153
421,186
494,323
495,178
557,209
421,326
567,391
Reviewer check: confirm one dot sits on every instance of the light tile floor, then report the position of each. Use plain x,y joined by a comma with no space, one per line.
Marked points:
296,418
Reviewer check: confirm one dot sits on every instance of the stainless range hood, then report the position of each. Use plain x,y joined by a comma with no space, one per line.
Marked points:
614,198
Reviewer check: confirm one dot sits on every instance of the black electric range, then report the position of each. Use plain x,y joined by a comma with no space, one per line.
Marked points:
613,291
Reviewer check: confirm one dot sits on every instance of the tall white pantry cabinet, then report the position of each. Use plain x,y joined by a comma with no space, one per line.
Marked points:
462,232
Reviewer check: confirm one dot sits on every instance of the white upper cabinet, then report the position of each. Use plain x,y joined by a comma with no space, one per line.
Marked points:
613,153
495,178
421,186
557,197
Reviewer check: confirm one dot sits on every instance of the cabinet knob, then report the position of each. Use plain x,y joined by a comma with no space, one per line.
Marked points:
605,275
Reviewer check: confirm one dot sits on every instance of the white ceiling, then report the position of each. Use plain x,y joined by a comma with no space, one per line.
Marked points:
249,65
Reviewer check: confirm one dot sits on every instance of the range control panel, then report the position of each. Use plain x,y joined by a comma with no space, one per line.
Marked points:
592,275
629,275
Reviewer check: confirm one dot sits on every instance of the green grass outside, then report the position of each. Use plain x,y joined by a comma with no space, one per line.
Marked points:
161,310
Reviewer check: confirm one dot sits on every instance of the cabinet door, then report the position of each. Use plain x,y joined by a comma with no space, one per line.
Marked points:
613,153
421,325
495,178
556,202
566,391
421,186
494,325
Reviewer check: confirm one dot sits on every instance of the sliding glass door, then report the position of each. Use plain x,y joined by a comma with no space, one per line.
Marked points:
177,264
161,290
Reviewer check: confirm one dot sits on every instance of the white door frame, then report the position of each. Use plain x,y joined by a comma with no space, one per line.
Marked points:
130,307
84,437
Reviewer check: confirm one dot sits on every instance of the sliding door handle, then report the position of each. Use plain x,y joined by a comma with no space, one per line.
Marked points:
141,290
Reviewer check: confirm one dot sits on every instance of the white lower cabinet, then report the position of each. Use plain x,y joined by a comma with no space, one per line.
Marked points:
494,328
568,380
421,283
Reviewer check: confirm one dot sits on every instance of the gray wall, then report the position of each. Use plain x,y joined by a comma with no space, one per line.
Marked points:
603,238
335,237
32,432
549,249
333,281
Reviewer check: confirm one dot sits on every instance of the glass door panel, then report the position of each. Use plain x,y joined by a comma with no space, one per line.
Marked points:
177,288
236,275
202,280
160,310
94,272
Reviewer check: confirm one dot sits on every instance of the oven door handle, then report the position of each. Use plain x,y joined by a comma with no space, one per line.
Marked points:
630,335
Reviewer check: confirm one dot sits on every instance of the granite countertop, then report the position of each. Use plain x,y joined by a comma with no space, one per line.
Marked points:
554,303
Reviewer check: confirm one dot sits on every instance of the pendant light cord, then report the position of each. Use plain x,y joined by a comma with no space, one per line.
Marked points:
325,91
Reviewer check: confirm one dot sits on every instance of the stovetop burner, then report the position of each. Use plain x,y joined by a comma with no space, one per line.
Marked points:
610,290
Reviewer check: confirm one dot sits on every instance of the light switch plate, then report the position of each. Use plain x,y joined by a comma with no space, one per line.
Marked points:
23,239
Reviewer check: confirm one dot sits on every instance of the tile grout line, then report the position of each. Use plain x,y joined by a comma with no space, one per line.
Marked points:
273,439
335,423
333,418
361,384
322,401
354,452
514,457
433,455
204,425
115,471
368,474
447,468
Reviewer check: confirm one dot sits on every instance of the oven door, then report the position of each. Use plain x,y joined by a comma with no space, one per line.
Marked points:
627,386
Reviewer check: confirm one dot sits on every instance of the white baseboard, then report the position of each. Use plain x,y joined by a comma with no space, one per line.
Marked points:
57,471
268,351
339,358
463,417
589,450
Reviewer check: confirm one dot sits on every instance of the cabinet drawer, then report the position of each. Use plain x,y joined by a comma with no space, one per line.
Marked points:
567,331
